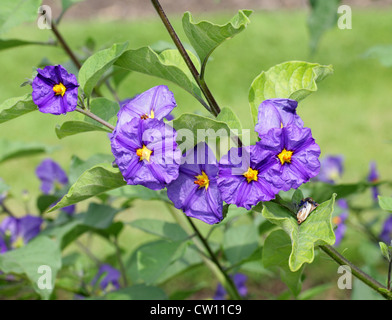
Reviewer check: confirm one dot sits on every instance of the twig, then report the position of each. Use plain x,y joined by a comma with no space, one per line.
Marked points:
95,117
365,278
120,262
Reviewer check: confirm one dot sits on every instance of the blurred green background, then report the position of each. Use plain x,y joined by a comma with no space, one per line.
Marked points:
350,114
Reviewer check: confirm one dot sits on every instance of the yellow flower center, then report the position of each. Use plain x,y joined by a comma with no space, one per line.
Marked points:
144,153
146,116
251,175
59,89
202,180
18,243
285,156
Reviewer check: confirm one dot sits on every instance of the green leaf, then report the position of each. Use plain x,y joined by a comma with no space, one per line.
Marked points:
315,230
132,193
137,292
66,232
164,229
168,65
15,12
323,16
105,109
230,118
27,260
321,191
17,149
385,251
240,242
385,203
70,128
16,107
66,4
205,36
100,178
45,201
382,53
276,253
155,257
192,123
78,166
96,65
292,80
12,43
190,258
99,216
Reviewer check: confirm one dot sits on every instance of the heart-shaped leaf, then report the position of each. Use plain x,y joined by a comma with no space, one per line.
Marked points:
291,80
315,230
205,36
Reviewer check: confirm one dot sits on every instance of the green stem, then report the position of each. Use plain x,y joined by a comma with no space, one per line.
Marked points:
120,262
365,278
214,108
95,117
213,262
65,46
389,275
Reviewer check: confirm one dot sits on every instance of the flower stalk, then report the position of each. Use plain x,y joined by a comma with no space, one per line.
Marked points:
365,278
95,117
212,263
213,105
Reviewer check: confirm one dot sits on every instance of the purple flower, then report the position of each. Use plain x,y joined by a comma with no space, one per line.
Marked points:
52,177
339,220
374,177
146,152
277,113
111,277
386,233
155,103
55,90
195,191
331,169
50,173
16,232
294,156
239,280
242,179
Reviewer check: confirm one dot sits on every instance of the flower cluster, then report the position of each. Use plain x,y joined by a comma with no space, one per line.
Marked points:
146,153
285,157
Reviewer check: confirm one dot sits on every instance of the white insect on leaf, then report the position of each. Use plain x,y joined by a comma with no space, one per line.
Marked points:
306,207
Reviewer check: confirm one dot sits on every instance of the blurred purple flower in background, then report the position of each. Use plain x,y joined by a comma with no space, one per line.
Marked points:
108,277
340,219
386,233
239,280
146,152
55,90
195,191
374,177
331,169
277,113
16,232
52,177
50,173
